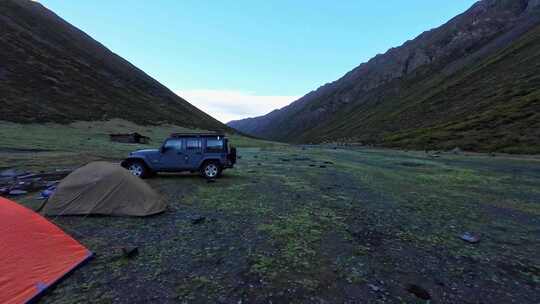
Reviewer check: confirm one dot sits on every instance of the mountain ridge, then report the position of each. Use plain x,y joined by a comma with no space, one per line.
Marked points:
486,28
51,71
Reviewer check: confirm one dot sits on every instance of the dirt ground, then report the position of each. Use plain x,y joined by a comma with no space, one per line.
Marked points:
296,224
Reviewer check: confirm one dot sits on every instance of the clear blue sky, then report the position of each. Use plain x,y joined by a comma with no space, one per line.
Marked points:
267,48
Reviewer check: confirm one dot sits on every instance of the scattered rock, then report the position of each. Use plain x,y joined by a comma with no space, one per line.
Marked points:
56,175
198,220
328,162
130,251
374,288
11,173
17,192
470,237
419,292
285,159
29,176
457,151
322,166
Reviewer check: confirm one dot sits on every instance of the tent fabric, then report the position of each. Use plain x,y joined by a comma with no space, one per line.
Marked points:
103,188
34,253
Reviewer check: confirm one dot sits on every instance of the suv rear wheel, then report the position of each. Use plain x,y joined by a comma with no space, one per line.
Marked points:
138,169
211,170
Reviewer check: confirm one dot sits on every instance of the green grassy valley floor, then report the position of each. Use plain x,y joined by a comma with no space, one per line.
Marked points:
303,225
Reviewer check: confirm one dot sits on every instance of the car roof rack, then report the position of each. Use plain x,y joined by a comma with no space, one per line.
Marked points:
197,134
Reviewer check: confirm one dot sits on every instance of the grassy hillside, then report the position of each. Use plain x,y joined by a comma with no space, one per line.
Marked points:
470,83
492,105
51,145
52,72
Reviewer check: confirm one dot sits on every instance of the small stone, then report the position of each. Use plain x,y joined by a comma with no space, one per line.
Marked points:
17,192
470,237
419,292
198,220
373,287
9,173
130,251
457,151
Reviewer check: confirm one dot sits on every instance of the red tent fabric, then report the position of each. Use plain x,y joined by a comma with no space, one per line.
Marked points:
34,253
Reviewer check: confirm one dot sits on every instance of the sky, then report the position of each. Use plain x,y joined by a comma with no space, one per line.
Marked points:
243,58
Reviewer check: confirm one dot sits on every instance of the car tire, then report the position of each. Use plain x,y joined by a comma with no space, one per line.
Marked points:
139,169
211,170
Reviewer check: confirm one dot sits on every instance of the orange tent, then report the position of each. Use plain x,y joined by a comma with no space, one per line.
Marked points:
34,253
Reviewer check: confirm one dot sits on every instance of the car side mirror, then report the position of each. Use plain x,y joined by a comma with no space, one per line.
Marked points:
162,149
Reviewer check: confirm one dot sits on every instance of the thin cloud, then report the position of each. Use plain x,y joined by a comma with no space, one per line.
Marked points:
227,105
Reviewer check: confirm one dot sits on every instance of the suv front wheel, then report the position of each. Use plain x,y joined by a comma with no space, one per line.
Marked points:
211,170
138,169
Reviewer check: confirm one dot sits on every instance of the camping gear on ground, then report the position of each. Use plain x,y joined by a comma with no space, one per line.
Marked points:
48,192
34,253
103,188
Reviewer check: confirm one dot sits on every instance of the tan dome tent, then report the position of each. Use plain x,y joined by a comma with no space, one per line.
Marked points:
105,189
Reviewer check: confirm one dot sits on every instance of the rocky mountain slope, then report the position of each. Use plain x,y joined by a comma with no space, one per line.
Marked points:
472,82
51,71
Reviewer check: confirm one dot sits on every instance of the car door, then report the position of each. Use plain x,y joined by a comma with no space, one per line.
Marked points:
172,155
193,152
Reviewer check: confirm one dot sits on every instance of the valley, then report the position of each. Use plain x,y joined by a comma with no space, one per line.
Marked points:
413,178
290,223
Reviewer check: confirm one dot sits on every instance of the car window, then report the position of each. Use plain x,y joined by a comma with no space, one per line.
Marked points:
214,145
175,144
193,144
